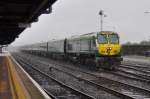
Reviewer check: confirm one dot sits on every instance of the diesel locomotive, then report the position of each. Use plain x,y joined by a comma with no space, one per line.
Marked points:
102,48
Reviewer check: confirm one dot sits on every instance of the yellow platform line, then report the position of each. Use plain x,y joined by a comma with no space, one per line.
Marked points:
18,92
35,84
14,95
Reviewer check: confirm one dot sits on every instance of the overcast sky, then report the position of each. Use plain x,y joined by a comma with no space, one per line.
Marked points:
75,17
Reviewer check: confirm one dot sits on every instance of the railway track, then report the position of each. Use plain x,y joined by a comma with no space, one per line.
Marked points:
114,87
116,75
128,75
143,71
100,94
119,74
134,71
137,65
53,87
137,68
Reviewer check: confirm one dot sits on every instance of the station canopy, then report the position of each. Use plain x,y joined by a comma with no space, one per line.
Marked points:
17,15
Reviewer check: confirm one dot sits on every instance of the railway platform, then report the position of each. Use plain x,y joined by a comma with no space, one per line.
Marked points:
15,83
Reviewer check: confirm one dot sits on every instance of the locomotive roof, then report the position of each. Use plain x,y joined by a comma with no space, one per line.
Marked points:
90,35
107,32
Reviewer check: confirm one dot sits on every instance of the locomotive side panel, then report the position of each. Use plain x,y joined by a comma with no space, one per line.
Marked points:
81,46
88,46
85,45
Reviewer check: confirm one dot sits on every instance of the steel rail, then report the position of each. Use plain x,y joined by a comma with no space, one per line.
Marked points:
86,96
103,87
120,73
143,76
137,88
111,91
139,67
129,76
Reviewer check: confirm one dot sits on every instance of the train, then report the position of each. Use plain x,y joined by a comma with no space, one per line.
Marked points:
100,48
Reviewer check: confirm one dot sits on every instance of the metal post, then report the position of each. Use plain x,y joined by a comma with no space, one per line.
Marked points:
101,15
101,23
47,47
1,49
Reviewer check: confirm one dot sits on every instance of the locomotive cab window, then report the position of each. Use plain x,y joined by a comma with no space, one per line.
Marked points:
102,38
113,38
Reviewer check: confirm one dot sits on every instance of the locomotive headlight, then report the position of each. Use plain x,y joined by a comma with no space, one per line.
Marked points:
109,48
